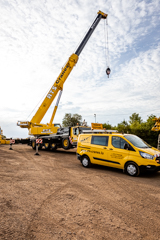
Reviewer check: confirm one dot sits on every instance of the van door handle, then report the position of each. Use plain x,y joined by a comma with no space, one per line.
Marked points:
110,148
104,148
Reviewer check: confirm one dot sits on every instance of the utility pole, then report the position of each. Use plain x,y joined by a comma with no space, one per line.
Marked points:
95,117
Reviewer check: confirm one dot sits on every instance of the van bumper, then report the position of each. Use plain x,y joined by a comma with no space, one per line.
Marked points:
151,168
78,157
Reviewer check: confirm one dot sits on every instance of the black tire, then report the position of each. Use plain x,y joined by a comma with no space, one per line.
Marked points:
47,146
132,169
33,144
86,162
39,146
66,143
53,146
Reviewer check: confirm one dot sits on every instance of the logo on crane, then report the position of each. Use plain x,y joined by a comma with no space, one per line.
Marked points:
51,92
63,72
46,131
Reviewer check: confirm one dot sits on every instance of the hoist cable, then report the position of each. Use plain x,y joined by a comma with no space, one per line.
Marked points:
106,43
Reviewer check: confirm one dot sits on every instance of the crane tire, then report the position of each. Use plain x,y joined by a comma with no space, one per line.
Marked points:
66,143
53,146
33,144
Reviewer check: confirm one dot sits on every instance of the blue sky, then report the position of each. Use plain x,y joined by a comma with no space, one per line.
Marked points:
36,39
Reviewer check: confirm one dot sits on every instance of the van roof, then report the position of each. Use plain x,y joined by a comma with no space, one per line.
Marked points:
99,131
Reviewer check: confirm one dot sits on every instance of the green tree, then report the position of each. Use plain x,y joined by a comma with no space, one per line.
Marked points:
146,133
107,126
143,129
135,123
135,118
123,127
70,120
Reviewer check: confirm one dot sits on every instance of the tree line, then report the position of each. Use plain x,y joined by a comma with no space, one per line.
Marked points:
135,125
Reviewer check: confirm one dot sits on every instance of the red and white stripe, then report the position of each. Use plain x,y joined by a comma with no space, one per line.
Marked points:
39,140
12,141
70,140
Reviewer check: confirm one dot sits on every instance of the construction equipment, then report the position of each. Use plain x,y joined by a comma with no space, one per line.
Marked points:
156,128
65,138
35,126
50,130
3,140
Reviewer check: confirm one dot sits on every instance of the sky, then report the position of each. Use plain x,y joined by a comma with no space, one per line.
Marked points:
37,38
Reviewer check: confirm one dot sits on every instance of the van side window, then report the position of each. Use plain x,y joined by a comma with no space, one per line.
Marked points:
100,140
118,142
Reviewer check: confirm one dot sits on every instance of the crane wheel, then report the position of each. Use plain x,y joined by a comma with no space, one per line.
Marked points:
33,145
46,146
53,146
66,143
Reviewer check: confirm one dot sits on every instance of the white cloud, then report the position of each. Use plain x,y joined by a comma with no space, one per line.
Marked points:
37,38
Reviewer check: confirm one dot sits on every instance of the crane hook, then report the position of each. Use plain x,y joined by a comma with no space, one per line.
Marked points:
108,71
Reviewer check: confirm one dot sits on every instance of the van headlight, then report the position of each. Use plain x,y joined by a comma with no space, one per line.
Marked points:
146,155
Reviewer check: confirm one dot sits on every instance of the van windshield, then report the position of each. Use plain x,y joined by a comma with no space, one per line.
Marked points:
137,142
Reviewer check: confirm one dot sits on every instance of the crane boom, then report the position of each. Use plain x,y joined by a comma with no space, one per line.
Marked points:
58,85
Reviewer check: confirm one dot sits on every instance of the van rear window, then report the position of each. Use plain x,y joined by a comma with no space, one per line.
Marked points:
100,140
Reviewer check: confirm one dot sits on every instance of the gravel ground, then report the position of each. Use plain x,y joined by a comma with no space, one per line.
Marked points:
52,196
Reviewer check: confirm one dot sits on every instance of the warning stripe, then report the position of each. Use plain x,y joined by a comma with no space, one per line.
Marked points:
70,140
39,140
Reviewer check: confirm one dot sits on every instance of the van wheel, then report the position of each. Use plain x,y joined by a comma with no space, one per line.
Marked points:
86,162
132,169
66,143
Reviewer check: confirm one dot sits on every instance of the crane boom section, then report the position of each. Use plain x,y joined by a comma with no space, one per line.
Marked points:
58,85
90,31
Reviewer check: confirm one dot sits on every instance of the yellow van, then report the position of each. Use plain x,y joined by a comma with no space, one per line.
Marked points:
123,151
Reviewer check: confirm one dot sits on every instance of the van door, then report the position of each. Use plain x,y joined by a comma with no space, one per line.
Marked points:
99,150
117,154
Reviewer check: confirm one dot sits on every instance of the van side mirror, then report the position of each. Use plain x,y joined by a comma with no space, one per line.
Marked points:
126,146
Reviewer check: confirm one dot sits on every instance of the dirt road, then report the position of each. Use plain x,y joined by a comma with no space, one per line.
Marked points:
52,196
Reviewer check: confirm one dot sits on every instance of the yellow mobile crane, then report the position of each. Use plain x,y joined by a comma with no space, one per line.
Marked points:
36,128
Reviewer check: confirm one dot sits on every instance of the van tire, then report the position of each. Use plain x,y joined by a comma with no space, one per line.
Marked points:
132,169
85,161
